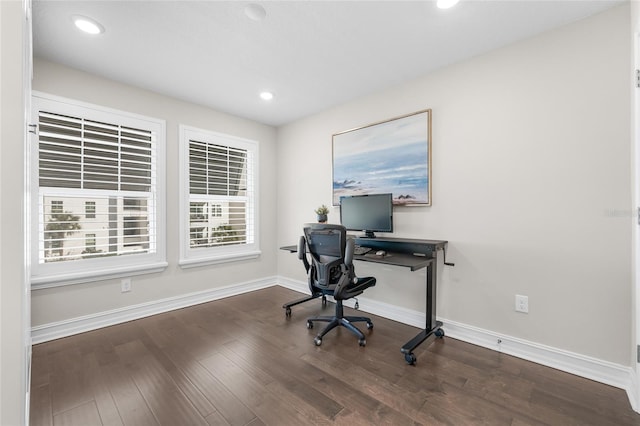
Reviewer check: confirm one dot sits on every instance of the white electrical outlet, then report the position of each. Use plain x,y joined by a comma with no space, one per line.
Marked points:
125,285
522,303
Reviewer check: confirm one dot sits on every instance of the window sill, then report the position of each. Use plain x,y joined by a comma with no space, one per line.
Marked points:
59,280
214,260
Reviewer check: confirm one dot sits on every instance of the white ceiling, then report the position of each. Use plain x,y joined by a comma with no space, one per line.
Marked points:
311,54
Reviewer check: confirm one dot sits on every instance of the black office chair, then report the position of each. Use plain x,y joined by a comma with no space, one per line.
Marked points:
331,272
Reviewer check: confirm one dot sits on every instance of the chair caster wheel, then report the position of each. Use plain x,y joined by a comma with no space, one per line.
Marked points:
317,341
439,333
309,325
362,342
410,358
369,326
287,313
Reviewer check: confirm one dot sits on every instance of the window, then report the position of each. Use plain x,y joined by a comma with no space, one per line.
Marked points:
218,191
135,204
90,243
98,182
197,211
136,232
56,206
90,209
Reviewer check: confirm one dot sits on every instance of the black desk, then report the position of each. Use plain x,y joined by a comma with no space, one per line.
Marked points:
413,254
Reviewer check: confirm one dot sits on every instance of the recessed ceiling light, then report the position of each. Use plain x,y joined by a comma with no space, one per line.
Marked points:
446,4
87,25
267,96
255,12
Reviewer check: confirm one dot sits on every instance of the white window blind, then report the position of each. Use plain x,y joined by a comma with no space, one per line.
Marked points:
218,187
79,153
84,161
220,198
96,174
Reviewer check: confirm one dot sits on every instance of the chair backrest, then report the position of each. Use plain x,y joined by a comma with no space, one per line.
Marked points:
331,254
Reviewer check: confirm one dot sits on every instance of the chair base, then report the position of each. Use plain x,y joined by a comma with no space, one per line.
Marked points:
339,320
287,306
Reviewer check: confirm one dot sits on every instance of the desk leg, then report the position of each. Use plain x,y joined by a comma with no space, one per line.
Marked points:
432,326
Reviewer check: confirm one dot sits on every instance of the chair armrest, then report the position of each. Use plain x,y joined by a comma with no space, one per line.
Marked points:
302,253
348,253
363,283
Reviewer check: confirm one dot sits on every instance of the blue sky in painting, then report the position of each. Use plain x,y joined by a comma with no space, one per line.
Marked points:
390,157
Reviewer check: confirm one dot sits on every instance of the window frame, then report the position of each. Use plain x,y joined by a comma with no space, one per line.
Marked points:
56,274
193,257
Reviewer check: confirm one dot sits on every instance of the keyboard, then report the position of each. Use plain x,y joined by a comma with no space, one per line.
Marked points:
359,250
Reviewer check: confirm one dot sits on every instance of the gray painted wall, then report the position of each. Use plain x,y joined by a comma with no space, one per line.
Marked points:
61,303
531,186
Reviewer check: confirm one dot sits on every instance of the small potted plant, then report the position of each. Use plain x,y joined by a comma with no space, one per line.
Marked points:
322,213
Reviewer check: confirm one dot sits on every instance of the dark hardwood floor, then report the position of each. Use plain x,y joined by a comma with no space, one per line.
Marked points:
239,361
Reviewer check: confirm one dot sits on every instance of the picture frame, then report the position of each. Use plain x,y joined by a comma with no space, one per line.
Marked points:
388,156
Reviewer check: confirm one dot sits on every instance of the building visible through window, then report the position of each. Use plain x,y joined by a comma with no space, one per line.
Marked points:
118,226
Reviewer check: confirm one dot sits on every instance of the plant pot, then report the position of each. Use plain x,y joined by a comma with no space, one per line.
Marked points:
322,218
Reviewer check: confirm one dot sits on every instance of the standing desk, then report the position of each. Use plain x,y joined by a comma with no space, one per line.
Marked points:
410,253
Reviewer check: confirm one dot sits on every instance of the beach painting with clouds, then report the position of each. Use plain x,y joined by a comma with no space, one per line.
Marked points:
392,156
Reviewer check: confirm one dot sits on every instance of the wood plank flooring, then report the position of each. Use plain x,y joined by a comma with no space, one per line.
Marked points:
239,361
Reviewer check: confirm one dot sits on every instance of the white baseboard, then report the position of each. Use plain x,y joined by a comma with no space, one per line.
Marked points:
51,331
581,365
571,362
632,391
294,285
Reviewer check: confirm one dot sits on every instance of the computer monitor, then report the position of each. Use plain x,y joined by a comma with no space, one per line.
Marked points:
368,213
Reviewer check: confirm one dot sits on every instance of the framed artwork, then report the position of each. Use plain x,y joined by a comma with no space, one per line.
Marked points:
390,156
